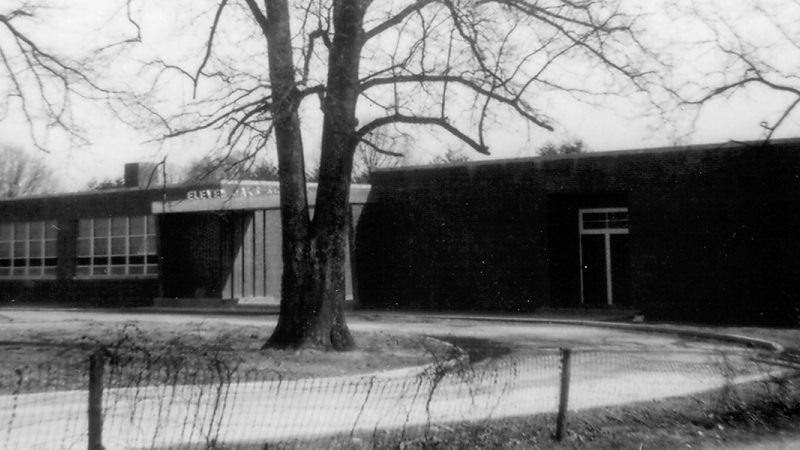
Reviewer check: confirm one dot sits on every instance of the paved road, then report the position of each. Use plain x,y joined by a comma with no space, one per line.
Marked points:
639,367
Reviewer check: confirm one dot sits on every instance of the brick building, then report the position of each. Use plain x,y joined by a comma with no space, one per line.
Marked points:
700,233
173,245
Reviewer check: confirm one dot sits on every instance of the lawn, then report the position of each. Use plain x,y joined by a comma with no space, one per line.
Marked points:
32,343
713,420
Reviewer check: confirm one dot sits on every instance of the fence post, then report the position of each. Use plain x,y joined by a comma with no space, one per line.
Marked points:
563,400
97,362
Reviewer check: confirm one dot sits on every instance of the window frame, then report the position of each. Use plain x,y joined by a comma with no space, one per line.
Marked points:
26,265
106,247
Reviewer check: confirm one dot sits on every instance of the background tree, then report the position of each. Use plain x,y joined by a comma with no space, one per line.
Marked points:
381,150
106,184
742,50
231,166
451,156
571,147
22,173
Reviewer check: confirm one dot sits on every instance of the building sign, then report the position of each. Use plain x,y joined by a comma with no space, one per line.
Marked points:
232,192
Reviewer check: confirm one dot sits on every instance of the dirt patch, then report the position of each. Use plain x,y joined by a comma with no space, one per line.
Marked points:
478,350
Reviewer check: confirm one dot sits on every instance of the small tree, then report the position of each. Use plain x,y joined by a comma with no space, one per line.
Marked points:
23,174
451,156
572,147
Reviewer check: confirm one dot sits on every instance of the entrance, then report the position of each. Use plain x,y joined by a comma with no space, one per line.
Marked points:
604,256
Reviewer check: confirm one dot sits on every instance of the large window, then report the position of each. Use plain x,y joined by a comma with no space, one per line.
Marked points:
117,246
28,249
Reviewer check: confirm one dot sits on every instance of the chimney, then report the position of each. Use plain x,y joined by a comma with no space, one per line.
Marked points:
142,175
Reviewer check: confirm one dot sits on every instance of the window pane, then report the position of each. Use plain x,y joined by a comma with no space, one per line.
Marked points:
5,249
119,226
84,247
150,246
136,270
85,228
118,260
51,262
5,262
21,231
35,262
48,270
35,249
6,232
36,230
84,261
137,245
101,227
18,272
100,261
119,246
50,248
20,249
594,225
5,271
101,246
151,225
84,270
117,270
51,229
99,270
622,215
137,226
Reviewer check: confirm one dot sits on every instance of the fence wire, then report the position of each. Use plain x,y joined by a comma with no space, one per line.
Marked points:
207,402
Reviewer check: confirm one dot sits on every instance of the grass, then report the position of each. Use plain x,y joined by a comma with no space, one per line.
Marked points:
728,418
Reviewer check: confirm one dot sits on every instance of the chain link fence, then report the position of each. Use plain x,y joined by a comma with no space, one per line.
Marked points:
134,398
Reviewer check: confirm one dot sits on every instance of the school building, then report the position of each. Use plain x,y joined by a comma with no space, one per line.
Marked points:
148,244
709,233
706,233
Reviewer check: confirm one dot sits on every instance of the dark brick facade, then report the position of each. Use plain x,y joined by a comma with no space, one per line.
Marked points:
714,232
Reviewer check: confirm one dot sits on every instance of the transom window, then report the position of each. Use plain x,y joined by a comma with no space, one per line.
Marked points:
28,249
117,246
603,221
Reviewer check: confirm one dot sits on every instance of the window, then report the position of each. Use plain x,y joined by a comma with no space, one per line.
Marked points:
28,249
603,221
117,246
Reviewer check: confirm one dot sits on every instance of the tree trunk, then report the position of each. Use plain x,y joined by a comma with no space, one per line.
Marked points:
313,282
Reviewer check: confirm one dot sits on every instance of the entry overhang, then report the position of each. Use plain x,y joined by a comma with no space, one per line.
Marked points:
233,196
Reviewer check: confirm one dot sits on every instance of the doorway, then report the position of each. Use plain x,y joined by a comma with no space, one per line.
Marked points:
604,256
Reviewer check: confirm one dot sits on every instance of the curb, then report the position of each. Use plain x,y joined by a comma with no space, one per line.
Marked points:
662,329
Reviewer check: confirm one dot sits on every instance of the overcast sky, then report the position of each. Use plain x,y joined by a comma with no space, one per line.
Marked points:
616,125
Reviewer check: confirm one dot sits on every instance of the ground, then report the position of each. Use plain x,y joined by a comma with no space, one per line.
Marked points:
394,341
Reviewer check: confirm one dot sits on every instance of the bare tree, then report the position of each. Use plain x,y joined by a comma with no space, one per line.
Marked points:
742,48
39,85
21,174
458,67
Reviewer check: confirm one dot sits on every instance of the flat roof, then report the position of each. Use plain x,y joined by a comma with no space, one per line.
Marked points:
599,154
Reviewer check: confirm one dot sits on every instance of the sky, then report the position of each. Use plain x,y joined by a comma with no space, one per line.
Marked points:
616,124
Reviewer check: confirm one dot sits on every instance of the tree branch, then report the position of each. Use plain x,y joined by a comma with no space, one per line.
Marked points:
420,120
